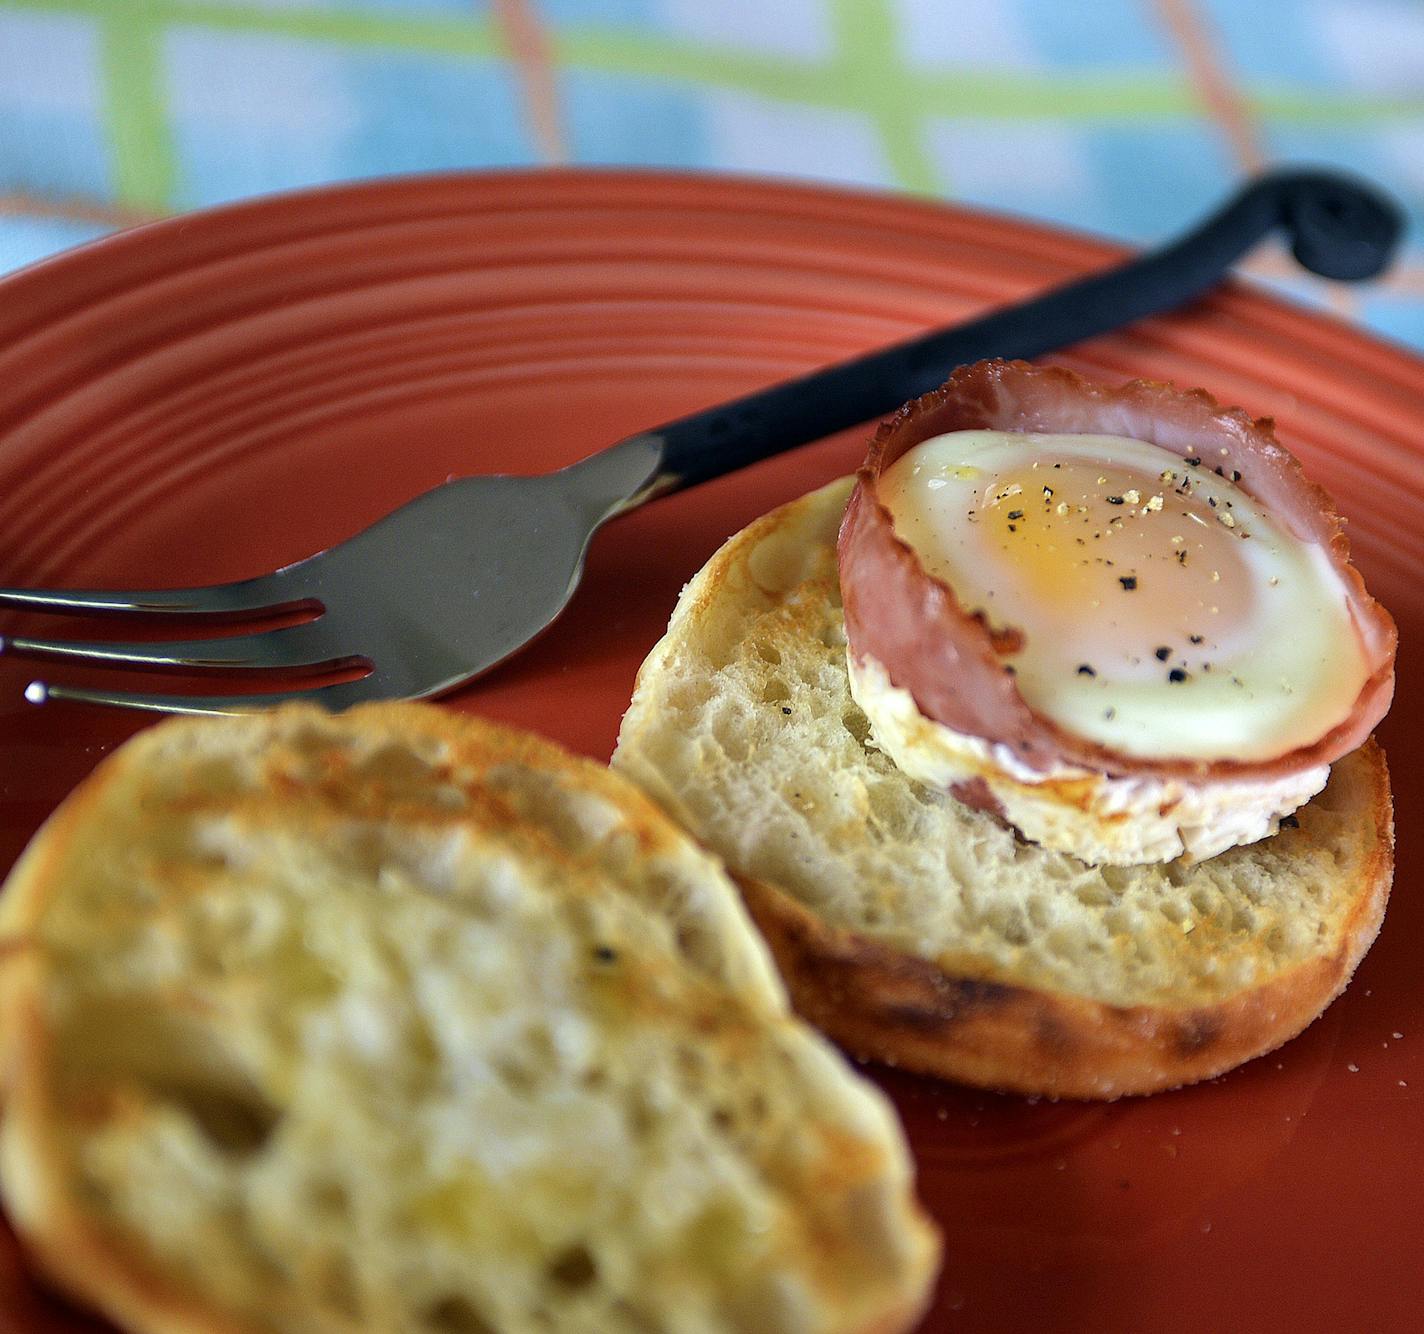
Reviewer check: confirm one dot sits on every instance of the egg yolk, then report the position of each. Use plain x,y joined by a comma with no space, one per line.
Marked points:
1075,535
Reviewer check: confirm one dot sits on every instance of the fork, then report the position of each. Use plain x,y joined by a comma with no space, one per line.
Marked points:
453,583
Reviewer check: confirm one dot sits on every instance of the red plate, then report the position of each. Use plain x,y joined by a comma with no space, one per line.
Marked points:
214,396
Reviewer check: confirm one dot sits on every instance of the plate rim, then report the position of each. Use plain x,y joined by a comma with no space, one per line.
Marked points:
253,210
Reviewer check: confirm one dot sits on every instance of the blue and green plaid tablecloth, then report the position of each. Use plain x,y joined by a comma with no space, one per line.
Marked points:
1124,117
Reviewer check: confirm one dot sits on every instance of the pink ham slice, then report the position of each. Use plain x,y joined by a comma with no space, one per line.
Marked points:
953,662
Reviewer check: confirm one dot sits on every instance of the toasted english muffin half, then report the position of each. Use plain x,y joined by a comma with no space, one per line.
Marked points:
401,1021
918,931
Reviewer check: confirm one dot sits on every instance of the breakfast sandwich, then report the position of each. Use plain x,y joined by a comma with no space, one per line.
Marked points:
1041,748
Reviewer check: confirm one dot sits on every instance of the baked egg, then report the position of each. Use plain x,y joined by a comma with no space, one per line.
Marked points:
1120,617
1160,611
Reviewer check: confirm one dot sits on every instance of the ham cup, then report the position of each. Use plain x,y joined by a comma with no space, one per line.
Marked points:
1121,618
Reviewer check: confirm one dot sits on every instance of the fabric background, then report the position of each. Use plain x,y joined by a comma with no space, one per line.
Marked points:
1123,117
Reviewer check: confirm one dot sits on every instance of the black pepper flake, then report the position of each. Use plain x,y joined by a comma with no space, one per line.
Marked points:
1181,558
605,953
1128,581
1013,528
1176,676
1085,670
1116,500
786,708
1016,514
1048,493
1163,653
1196,639
1193,462
1211,500
1219,471
1109,714
1290,822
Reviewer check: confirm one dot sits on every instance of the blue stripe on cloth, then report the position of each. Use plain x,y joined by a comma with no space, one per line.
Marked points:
616,118
797,29
752,134
52,138
602,13
1398,317
1267,44
25,240
253,114
1129,182
966,34
1104,34
1150,180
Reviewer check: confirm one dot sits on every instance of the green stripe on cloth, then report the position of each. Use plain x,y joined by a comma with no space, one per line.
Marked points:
1075,99
959,94
135,109
870,71
612,52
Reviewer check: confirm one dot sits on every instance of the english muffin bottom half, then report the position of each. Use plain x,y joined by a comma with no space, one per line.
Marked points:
921,932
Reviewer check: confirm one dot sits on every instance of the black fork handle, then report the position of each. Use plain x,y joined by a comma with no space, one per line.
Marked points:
1338,226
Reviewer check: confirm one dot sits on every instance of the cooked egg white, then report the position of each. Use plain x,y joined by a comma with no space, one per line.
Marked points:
1164,615
1125,821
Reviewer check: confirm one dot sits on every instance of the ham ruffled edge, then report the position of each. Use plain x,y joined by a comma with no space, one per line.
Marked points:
953,662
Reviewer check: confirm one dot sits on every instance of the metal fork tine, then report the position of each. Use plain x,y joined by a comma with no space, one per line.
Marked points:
261,594
289,647
332,697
